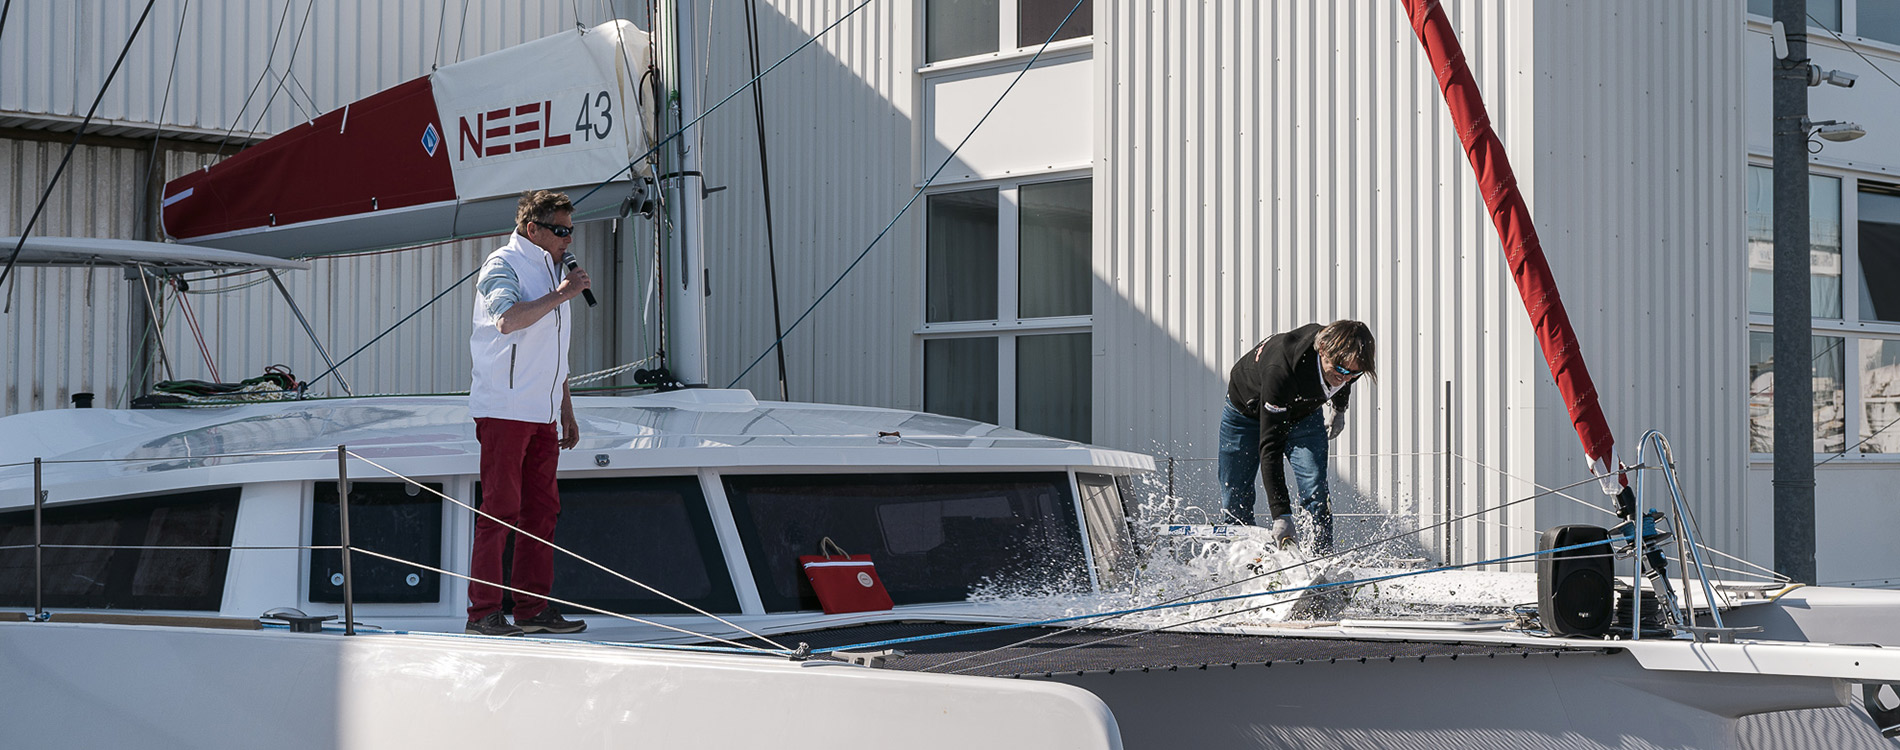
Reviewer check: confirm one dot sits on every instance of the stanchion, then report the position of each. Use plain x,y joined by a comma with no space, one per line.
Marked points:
39,507
343,525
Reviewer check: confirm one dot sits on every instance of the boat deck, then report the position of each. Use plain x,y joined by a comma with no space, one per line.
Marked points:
1004,653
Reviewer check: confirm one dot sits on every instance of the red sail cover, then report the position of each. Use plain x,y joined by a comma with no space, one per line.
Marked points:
342,163
1519,236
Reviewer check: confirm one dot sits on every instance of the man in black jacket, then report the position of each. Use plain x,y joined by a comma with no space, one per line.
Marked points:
1274,395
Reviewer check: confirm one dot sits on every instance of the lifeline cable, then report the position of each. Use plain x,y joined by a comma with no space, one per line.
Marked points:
1394,537
552,545
1179,604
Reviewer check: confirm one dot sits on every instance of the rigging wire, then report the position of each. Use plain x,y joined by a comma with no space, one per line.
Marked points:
159,122
3,17
461,32
191,321
765,187
441,24
269,55
289,70
650,152
67,159
920,189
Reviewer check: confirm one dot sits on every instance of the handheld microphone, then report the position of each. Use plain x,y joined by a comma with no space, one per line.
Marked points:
574,264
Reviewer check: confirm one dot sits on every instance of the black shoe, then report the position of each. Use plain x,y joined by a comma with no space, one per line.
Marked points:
493,624
550,621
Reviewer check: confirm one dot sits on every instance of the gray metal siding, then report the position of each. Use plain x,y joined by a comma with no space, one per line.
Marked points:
1640,203
840,128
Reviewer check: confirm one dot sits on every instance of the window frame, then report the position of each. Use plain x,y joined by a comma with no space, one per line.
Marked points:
1850,326
1008,25
1008,325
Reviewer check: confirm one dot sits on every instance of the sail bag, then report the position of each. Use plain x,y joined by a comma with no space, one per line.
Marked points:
844,582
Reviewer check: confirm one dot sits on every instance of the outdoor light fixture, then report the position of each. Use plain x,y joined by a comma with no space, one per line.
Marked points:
1841,78
1837,130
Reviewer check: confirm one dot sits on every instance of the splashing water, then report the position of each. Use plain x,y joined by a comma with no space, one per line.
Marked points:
1208,576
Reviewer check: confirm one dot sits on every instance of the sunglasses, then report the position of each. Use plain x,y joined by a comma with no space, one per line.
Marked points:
1343,371
558,230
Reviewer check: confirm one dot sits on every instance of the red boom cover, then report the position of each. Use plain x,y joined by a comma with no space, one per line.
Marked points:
385,151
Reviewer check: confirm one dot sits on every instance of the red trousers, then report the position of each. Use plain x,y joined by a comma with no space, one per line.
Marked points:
518,460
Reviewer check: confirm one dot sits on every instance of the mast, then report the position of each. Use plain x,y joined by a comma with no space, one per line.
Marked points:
684,189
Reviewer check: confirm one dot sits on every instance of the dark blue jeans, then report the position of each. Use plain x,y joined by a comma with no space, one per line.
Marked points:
1305,451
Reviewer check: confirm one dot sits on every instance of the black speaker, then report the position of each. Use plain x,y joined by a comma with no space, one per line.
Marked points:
1574,595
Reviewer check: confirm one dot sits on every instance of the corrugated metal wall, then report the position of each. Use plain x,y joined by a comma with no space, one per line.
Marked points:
839,115
1639,171
1268,165
70,329
66,331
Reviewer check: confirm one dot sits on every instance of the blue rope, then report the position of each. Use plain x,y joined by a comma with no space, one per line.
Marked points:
913,197
1173,605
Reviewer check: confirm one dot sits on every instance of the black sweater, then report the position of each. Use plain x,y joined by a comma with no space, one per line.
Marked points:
1283,371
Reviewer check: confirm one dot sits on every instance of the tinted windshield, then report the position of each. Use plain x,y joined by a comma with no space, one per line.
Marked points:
933,537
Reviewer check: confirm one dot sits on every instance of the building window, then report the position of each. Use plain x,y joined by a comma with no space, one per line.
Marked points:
966,28
1036,20
1008,288
1823,13
1856,411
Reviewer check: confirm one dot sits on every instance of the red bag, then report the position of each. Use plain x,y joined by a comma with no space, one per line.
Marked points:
845,583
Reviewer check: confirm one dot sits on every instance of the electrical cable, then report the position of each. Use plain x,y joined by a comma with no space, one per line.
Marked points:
48,194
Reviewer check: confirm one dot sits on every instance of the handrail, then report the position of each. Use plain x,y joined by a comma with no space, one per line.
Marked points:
1685,533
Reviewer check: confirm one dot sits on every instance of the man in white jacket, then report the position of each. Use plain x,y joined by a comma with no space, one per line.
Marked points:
519,390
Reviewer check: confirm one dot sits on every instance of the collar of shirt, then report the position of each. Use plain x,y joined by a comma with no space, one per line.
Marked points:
1320,370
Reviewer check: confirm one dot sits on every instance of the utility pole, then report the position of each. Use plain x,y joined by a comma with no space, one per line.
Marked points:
1793,351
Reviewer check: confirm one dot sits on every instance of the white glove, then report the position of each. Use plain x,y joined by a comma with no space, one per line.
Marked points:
1335,422
1282,531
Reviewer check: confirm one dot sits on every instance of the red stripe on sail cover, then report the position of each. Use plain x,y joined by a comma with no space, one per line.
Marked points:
374,155
1513,219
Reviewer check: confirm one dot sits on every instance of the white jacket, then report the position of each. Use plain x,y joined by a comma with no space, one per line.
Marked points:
518,375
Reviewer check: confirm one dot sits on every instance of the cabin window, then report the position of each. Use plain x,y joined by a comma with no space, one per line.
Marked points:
88,575
397,519
655,530
933,537
1106,515
1008,306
